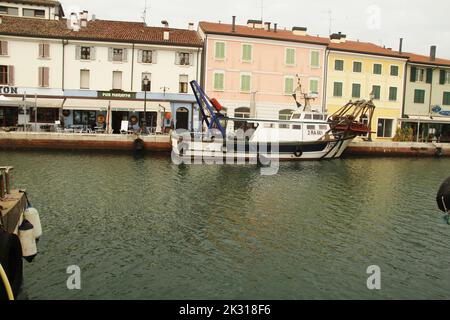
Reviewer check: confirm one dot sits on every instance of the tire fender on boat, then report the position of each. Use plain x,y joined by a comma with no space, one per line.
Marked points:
443,196
298,152
32,215
27,240
11,260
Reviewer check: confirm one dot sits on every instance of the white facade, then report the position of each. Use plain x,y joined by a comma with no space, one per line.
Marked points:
23,9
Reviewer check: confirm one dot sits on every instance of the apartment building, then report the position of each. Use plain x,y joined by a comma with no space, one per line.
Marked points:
40,9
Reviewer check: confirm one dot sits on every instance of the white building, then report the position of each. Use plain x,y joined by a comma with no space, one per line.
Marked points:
78,69
41,9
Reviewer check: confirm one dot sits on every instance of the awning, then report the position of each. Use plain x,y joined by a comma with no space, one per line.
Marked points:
14,102
116,105
419,119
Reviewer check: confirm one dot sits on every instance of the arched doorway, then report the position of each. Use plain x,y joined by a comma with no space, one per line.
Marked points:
285,114
244,113
182,119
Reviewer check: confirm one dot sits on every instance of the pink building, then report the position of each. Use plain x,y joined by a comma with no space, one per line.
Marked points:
252,70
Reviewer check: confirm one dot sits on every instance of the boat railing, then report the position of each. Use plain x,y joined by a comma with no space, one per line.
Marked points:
5,181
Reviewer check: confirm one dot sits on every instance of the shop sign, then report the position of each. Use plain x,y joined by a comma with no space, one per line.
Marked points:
8,90
119,95
438,110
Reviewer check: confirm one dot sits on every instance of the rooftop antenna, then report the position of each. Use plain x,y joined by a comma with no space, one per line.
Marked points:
262,10
144,13
330,20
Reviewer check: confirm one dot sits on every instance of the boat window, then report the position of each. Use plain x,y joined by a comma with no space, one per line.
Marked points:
269,125
283,126
311,127
323,127
297,127
318,117
296,116
307,116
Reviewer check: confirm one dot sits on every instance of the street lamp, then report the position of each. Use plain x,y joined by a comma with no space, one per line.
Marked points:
146,82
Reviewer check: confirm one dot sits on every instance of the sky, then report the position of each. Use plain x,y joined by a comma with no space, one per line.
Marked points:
421,23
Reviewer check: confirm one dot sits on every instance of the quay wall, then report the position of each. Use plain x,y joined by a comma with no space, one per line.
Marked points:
78,141
398,149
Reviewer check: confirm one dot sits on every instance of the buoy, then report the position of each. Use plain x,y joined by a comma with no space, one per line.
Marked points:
27,240
138,145
216,104
443,196
32,215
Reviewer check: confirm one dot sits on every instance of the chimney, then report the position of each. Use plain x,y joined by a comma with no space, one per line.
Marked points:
255,24
275,27
83,16
166,35
233,25
267,26
191,26
165,23
299,31
73,22
433,53
400,49
338,37
94,17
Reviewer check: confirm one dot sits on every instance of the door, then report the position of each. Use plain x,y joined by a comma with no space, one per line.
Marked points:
182,118
117,117
8,116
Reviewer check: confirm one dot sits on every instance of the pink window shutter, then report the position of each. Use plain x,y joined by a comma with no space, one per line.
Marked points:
11,75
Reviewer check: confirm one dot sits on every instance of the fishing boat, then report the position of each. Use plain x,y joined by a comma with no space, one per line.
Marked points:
306,135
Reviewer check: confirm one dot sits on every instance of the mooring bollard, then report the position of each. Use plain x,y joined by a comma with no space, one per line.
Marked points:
443,196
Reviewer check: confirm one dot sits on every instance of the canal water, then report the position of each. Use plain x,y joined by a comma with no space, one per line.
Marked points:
143,228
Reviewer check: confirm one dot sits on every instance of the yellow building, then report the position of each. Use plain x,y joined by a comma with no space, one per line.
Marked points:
358,69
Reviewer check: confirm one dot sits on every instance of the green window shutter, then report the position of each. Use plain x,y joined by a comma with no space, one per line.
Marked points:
339,65
377,68
419,96
247,52
245,83
288,85
220,50
314,86
413,74
446,100
357,66
218,81
394,71
315,57
376,90
442,77
337,92
393,94
356,90
429,75
290,56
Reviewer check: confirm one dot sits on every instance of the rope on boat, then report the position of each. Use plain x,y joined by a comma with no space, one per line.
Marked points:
6,283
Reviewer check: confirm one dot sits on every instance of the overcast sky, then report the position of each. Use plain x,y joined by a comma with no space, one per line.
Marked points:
421,23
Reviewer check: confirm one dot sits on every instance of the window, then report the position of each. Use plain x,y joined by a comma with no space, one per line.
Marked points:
296,127
394,71
385,128
337,90
357,66
420,75
184,79
117,54
219,81
84,53
3,75
246,53
242,113
376,92
377,68
9,11
285,114
339,65
183,58
315,59
219,53
34,13
84,79
146,56
149,85
447,77
84,117
45,115
245,83
44,77
288,85
314,86
290,56
3,48
44,50
419,96
446,99
356,90
117,80
393,94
